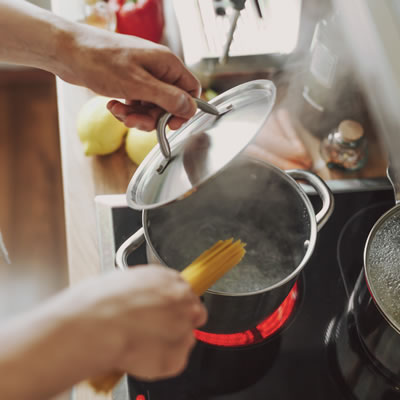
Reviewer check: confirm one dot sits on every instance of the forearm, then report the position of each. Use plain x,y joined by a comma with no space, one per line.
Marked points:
44,352
32,36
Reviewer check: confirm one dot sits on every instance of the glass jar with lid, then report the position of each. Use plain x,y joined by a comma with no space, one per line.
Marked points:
98,13
330,90
345,148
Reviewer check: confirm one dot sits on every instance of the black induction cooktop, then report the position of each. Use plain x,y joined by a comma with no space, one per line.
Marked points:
296,362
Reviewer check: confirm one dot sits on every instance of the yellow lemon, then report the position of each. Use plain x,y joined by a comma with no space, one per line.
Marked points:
209,94
139,143
99,131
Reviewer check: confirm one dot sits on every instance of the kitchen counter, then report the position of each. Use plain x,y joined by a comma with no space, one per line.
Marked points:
83,179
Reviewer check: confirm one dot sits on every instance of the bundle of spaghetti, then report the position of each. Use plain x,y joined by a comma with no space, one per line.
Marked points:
212,264
201,274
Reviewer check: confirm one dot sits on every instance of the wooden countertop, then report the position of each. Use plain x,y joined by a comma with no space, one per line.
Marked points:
83,179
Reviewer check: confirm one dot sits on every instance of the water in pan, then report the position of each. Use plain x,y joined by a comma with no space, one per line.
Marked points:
383,263
267,260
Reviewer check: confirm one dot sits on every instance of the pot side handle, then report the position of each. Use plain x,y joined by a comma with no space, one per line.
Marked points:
126,248
323,191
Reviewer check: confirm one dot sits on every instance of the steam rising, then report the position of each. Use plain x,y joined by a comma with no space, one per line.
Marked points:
343,97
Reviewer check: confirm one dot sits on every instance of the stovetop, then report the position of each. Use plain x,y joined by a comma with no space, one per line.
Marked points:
298,361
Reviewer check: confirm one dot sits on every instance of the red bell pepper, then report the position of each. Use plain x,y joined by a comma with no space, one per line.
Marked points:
142,18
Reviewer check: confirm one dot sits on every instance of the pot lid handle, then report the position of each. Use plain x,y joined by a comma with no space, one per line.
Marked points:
162,125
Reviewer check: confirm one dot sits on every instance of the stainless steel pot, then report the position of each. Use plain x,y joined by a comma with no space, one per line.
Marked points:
375,301
382,259
380,339
248,200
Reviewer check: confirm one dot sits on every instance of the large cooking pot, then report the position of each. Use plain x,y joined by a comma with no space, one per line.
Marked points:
252,201
201,187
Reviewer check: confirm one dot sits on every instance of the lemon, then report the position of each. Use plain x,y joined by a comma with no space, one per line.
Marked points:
99,131
139,143
210,94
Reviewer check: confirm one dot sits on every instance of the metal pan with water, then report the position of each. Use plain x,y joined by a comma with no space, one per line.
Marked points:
376,296
382,260
252,201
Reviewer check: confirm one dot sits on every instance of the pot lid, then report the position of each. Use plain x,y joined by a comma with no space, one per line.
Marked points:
186,158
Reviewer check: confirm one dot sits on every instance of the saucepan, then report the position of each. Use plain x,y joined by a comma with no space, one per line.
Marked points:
255,202
377,293
244,198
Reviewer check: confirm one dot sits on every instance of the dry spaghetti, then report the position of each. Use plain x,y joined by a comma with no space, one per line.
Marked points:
211,265
201,274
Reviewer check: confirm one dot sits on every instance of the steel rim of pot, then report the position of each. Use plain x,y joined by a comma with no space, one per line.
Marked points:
367,249
316,223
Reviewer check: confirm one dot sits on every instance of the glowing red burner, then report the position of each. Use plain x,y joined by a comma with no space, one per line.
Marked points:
262,331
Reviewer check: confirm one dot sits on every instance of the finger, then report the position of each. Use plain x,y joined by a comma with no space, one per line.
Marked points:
118,109
114,106
145,108
142,119
121,110
146,368
170,98
174,71
176,356
189,83
189,313
163,359
176,122
200,315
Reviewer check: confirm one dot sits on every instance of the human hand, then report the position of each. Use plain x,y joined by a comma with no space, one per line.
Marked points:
148,76
139,321
146,317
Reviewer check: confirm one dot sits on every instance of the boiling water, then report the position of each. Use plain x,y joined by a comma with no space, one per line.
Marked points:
383,262
268,259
